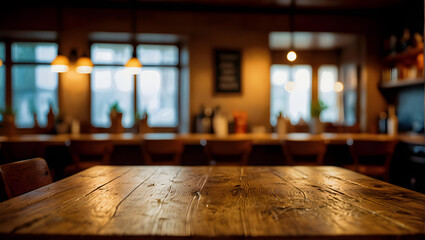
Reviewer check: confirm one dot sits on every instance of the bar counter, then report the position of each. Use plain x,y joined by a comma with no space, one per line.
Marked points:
196,139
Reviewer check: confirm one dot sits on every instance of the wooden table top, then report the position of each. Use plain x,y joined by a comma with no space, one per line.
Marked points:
196,139
129,202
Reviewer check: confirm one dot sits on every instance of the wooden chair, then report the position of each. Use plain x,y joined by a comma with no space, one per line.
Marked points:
304,152
16,151
162,152
89,153
372,157
228,152
24,176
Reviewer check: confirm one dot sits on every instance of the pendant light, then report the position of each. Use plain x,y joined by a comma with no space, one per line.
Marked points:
84,65
291,56
133,65
61,63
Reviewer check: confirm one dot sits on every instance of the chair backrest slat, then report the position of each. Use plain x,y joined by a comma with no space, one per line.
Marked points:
24,176
170,149
236,151
303,148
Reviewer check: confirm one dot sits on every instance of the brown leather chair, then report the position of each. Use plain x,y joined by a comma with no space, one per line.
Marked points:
88,153
21,150
162,151
304,152
372,157
24,176
228,152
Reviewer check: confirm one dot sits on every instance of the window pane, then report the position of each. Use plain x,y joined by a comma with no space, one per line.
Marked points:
102,53
158,54
2,51
34,89
328,76
157,95
110,85
2,90
294,104
350,79
34,52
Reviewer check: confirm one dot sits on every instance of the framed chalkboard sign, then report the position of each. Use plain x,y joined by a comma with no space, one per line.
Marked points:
227,71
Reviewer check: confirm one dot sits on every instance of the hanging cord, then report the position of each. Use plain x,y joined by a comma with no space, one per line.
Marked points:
291,22
134,26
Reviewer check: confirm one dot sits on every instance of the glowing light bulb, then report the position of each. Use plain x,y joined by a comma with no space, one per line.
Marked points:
289,86
291,56
338,87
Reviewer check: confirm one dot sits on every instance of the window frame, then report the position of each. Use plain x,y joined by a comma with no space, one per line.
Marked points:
178,66
8,65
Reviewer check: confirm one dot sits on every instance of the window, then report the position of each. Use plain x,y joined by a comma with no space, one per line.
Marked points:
157,92
157,86
34,86
110,83
2,78
293,102
328,76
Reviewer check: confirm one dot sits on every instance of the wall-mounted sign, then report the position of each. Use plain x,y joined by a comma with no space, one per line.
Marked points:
227,71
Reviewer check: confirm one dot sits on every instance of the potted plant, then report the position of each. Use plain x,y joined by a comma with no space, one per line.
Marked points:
8,115
316,109
115,115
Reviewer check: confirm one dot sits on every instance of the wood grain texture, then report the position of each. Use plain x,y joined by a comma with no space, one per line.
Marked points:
170,202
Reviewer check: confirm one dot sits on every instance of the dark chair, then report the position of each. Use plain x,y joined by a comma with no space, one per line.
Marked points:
228,152
304,152
88,153
162,151
372,157
24,176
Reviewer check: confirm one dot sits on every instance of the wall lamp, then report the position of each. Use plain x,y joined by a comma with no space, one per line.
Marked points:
61,63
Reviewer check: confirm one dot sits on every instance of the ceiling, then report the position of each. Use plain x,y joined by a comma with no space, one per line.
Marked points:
310,40
284,4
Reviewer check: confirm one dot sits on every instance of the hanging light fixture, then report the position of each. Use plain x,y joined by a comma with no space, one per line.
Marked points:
133,65
84,65
61,63
291,56
338,87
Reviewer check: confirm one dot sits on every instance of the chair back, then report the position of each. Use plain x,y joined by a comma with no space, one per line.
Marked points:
24,176
304,152
88,153
365,154
228,152
162,151
16,151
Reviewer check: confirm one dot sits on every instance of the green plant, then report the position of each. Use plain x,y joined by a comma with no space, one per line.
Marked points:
115,107
8,111
317,108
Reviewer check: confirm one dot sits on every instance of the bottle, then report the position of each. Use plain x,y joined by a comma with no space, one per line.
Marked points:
392,122
199,118
383,117
281,125
220,123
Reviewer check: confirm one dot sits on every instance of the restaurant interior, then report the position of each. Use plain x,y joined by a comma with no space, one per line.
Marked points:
224,82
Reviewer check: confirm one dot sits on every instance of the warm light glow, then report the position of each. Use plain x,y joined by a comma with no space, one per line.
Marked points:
289,86
60,64
84,65
1,63
133,66
338,87
291,56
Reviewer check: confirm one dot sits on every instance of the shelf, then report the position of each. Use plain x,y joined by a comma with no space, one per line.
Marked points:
404,56
403,83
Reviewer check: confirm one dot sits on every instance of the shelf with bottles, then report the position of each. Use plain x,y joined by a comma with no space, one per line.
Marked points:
403,65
